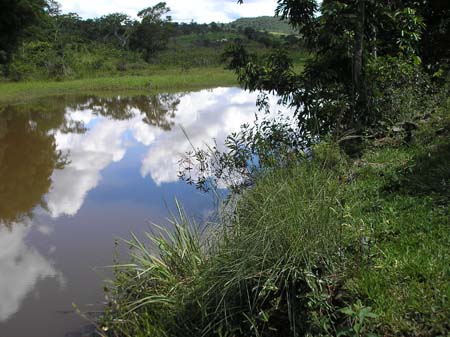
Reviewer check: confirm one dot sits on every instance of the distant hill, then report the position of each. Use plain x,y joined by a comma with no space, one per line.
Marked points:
268,23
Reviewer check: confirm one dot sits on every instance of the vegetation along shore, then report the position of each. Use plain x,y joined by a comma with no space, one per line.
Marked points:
340,227
167,80
336,220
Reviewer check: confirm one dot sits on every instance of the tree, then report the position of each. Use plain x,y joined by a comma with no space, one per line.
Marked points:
15,18
434,45
116,29
153,32
59,33
349,41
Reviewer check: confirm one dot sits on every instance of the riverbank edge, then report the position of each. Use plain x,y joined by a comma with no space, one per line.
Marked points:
378,228
167,81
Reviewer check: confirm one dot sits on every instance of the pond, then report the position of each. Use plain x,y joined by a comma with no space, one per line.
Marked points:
76,173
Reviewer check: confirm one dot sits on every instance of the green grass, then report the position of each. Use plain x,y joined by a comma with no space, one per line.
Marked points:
330,247
228,281
400,200
163,80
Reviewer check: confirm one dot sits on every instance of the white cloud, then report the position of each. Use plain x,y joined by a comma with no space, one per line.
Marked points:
21,268
182,10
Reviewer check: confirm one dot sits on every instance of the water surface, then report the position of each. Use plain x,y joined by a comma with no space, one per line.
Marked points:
78,172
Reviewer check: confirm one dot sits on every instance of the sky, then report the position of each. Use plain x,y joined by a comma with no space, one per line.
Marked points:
201,11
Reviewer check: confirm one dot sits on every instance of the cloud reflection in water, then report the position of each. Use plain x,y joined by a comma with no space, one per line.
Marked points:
21,268
112,126
206,116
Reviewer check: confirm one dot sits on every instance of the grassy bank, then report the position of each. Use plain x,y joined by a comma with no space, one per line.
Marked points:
171,79
334,246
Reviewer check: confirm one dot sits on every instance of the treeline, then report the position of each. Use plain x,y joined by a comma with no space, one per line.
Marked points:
264,23
38,40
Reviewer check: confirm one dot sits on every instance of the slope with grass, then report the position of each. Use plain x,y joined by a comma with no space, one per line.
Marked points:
333,246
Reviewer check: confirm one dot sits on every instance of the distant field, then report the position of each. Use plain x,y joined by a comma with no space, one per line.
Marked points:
154,78
164,80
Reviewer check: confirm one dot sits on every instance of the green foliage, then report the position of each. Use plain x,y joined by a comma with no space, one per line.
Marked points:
358,315
434,49
268,145
399,89
40,60
15,18
325,248
153,32
115,29
353,44
276,262
263,23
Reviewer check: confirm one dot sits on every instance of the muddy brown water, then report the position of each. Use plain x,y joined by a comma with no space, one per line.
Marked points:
76,173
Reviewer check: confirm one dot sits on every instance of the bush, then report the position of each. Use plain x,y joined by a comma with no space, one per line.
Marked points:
400,89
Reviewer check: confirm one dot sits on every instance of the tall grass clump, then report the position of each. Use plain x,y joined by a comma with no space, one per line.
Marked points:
273,274
270,269
147,295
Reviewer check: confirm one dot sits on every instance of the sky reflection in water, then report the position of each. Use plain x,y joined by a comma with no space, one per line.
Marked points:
77,172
